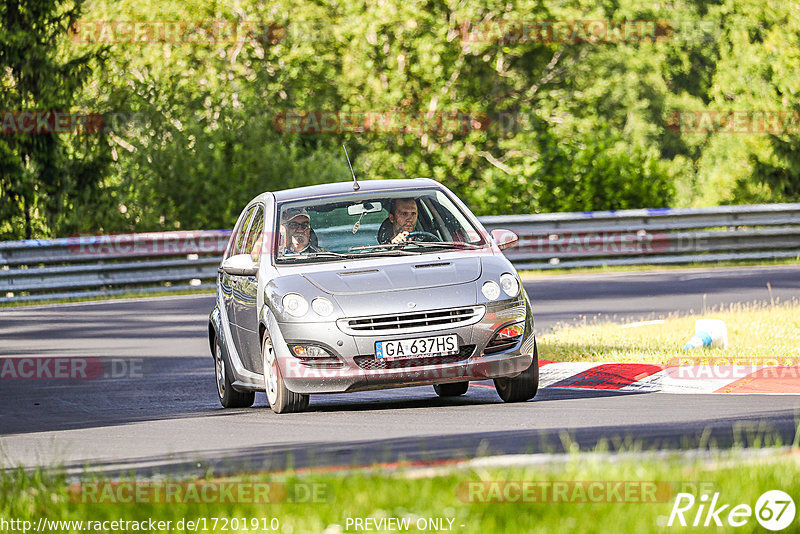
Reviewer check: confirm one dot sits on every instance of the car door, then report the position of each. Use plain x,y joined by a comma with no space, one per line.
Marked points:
247,303
228,283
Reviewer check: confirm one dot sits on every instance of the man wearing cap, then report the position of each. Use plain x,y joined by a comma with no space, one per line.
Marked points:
296,227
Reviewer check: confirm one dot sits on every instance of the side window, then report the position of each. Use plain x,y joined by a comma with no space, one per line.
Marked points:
255,235
241,232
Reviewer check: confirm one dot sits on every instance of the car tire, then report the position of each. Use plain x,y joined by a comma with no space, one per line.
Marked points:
228,397
452,389
280,399
523,386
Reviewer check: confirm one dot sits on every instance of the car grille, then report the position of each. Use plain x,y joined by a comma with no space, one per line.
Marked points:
412,322
371,362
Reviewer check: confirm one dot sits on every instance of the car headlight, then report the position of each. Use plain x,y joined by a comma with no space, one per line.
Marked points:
322,306
490,290
295,305
509,284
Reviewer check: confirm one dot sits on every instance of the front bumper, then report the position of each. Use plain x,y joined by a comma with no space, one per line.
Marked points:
357,368
303,379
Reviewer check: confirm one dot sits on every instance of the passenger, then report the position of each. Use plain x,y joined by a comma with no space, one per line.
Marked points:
296,227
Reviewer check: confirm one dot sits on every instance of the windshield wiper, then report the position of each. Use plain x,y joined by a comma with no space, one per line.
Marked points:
313,255
291,258
447,244
388,252
421,244
383,247
386,249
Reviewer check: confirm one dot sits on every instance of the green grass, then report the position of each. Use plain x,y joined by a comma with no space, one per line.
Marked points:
763,332
450,494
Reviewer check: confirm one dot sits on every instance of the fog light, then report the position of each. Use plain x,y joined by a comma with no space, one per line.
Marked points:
310,351
506,338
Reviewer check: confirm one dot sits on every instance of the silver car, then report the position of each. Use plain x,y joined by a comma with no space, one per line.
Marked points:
359,286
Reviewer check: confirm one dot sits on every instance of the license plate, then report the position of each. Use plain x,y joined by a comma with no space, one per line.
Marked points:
421,347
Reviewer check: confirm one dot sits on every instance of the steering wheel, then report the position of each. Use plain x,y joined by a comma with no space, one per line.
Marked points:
426,236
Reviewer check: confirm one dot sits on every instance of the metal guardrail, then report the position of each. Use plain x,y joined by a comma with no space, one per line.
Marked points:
166,261
110,264
652,236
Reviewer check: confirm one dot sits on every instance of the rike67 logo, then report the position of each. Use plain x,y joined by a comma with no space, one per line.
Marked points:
774,510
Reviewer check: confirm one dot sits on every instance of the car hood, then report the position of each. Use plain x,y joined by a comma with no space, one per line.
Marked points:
417,275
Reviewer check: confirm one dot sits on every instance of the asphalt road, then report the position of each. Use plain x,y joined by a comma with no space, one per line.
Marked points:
156,409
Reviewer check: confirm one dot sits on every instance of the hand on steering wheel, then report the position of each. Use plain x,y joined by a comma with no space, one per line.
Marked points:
426,236
401,237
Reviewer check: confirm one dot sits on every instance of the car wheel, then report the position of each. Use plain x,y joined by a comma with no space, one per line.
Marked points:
228,397
523,386
280,399
453,389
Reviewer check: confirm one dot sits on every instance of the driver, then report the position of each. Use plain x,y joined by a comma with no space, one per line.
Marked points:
403,216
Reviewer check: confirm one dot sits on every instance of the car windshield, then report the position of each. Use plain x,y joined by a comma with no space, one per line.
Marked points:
361,225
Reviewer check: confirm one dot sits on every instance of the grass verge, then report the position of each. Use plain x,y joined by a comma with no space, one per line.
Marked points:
585,494
756,332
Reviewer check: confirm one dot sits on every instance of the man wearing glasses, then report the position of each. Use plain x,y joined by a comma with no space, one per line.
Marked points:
296,227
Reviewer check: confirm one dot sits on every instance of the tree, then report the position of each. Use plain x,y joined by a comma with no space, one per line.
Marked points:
44,174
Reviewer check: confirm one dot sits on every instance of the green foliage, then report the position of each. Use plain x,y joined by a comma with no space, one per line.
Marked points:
596,172
43,176
193,124
776,175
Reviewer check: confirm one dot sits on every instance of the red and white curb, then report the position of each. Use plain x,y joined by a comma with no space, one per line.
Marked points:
771,379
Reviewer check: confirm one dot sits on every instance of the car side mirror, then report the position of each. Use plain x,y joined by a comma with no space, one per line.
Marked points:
504,238
240,265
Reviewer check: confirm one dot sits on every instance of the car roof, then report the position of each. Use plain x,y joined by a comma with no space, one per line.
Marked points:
365,186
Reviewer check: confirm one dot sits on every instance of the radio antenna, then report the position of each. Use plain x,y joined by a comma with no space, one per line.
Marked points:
356,187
